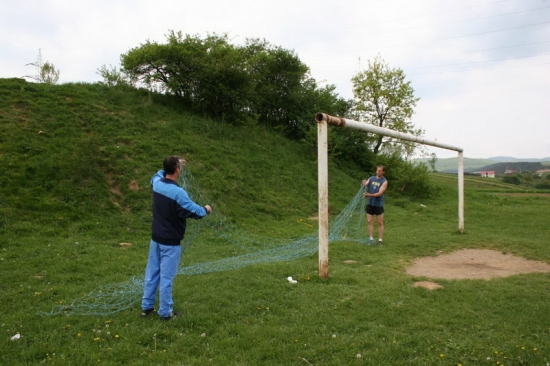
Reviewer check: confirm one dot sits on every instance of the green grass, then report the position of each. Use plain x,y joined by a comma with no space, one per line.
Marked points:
74,182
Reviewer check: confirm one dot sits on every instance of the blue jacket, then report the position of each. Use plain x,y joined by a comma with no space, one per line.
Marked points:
171,207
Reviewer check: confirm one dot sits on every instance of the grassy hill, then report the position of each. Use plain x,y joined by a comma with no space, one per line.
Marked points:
75,165
80,149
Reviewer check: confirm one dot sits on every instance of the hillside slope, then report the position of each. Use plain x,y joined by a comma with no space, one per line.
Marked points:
76,151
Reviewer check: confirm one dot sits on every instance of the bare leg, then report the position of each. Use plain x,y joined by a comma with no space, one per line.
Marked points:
380,219
370,222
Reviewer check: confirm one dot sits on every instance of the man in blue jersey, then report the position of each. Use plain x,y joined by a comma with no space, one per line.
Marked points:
171,207
375,186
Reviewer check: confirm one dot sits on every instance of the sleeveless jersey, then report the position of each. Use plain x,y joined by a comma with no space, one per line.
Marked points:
374,187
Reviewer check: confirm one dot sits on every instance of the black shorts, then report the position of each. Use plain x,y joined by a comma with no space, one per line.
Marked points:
374,210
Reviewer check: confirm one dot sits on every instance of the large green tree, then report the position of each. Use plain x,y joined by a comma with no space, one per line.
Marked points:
207,74
255,81
384,98
278,77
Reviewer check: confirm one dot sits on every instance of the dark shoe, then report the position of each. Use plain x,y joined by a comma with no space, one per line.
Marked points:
171,316
145,313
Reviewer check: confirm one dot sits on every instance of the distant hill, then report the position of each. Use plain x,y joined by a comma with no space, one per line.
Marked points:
507,159
519,166
499,164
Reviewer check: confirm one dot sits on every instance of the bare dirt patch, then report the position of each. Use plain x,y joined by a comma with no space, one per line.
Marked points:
474,264
133,185
427,284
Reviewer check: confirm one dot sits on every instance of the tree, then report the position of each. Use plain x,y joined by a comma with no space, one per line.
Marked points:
113,77
285,95
206,74
433,161
383,98
278,79
255,81
45,71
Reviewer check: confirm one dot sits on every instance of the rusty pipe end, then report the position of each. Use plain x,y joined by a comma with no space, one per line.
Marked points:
331,120
320,117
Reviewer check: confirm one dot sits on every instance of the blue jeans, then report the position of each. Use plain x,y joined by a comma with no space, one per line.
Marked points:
162,268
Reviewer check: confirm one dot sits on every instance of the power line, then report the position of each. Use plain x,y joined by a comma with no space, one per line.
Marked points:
454,37
473,63
431,25
500,48
479,62
413,17
478,68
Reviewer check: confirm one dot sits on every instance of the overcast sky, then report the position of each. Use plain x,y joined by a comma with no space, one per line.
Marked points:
481,68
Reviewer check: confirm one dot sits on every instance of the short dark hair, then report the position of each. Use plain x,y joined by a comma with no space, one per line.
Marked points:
170,164
383,168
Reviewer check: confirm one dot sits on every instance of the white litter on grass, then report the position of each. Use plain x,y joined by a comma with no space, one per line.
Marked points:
421,205
291,280
16,337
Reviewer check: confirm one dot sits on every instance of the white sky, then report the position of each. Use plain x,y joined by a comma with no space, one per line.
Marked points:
481,68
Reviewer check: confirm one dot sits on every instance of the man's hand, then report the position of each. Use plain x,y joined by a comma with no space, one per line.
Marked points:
208,209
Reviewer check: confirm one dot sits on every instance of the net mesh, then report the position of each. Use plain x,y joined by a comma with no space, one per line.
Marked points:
112,298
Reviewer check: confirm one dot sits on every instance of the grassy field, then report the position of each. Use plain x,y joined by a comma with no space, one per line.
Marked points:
74,183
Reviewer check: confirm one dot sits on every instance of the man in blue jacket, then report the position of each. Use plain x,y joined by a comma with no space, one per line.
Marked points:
376,186
171,207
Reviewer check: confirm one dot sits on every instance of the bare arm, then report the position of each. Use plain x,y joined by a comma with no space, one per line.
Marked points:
380,192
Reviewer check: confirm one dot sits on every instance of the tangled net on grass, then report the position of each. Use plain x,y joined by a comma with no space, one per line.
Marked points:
113,298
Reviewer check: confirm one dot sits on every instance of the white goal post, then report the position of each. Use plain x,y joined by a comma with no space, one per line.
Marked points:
323,120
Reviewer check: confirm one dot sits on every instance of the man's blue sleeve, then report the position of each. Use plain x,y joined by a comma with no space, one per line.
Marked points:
158,176
190,208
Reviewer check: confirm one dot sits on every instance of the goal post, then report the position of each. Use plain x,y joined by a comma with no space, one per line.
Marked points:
323,120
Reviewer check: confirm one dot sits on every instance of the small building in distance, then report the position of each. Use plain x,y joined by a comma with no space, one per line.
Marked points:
487,173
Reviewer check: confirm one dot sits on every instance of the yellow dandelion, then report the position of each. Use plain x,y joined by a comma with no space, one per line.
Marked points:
78,334
535,349
96,339
442,355
117,336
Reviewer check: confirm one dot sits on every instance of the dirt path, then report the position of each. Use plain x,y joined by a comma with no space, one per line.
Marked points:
472,264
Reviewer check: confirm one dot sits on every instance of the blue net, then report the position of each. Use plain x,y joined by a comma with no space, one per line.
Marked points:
107,299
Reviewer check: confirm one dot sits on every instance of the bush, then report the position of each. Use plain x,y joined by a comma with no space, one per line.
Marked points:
511,179
406,178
